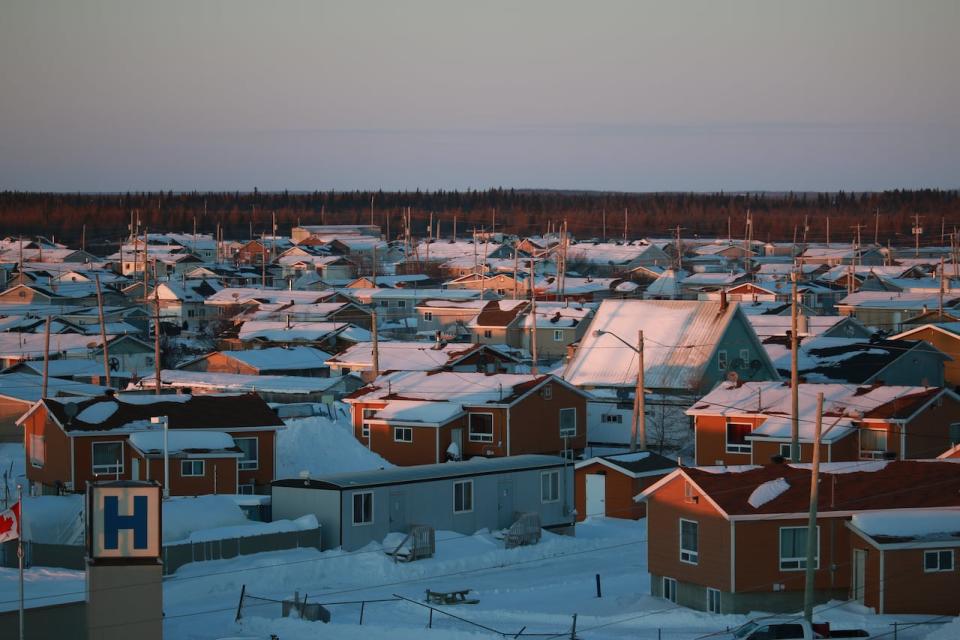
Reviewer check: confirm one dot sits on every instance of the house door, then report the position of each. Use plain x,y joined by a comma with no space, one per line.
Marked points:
596,495
135,469
859,575
398,511
504,504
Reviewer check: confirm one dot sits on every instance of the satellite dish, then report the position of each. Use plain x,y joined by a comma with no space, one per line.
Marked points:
71,409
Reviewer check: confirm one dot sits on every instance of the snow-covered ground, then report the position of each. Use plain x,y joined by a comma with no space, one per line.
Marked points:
537,587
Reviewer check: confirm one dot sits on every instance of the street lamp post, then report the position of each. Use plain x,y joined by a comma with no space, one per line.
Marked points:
639,428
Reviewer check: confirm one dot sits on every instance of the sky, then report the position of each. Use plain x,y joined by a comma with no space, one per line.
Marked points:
636,96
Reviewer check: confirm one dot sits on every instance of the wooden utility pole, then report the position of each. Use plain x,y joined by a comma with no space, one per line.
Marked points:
515,267
103,333
942,291
604,224
828,231
376,344
678,229
533,315
156,340
372,196
46,359
812,545
794,374
639,403
917,230
876,227
624,225
83,238
263,262
146,275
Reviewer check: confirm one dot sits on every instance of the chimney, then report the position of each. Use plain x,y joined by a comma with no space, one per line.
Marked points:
723,300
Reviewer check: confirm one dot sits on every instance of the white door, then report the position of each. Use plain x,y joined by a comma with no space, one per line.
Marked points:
596,495
135,469
859,575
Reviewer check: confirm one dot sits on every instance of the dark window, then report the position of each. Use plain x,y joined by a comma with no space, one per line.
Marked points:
481,427
463,496
363,508
737,437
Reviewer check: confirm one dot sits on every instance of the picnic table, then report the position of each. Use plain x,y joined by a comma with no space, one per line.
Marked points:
450,597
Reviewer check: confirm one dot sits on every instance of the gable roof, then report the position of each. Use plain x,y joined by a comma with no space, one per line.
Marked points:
635,464
499,313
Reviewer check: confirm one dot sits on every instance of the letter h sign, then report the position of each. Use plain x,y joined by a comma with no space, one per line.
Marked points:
124,520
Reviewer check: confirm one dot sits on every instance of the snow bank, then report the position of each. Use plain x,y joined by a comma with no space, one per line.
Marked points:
42,587
303,523
53,519
913,524
949,631
183,516
321,446
767,491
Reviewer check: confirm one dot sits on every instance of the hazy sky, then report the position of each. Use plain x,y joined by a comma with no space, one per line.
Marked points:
396,94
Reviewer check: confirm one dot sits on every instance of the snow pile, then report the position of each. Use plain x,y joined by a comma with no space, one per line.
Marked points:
836,468
303,523
949,631
183,516
141,399
179,440
321,446
767,491
98,412
42,587
12,468
53,519
916,524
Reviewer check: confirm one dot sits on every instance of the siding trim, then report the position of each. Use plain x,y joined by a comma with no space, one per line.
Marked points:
733,556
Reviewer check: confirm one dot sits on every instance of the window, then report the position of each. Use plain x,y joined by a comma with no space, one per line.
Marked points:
384,303
873,443
487,333
481,427
558,335
568,423
785,451
403,434
463,496
689,541
938,561
245,489
744,357
612,417
549,486
689,492
737,437
722,360
793,548
428,316
192,468
363,508
107,458
365,430
248,446
401,303
547,392
713,600
38,451
670,589
150,361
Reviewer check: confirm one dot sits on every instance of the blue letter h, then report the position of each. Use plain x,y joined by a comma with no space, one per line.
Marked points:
113,522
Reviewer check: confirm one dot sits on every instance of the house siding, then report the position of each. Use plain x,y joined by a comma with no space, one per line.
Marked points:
618,495
907,588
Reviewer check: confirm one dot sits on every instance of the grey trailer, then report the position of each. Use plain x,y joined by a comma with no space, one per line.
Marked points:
357,508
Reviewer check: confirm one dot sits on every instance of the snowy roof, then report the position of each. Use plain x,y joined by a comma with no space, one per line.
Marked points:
278,331
770,325
423,472
679,339
184,442
280,358
609,253
499,313
929,525
27,387
895,300
236,382
237,295
557,315
667,284
403,356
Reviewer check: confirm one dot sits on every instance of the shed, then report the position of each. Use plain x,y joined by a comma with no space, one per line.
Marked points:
357,508
606,485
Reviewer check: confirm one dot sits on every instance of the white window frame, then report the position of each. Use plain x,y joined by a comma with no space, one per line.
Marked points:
744,357
736,447
612,417
365,430
786,450
401,304
249,465
106,469
567,432
874,454
246,489
689,556
185,463
799,561
558,335
668,589
38,450
937,553
482,437
546,497
713,600
457,485
689,492
488,333
428,316
722,362
353,507
398,432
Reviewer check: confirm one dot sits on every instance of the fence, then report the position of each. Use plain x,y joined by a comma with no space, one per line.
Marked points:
174,555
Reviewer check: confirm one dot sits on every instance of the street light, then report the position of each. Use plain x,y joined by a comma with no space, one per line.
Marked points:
639,428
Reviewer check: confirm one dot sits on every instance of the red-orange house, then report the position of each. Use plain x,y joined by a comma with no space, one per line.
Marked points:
733,539
70,443
426,417
750,422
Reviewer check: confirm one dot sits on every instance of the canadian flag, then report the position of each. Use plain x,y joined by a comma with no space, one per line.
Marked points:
10,523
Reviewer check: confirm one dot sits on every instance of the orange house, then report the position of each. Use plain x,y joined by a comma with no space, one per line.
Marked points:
750,423
420,417
733,539
70,443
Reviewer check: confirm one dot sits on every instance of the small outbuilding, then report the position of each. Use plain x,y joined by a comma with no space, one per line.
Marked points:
357,508
606,485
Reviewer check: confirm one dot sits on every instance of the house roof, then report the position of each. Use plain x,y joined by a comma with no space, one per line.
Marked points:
278,358
845,487
934,525
133,412
151,442
635,464
424,472
499,313
239,382
409,356
680,337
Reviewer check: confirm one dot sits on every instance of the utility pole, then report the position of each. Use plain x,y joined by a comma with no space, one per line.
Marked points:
876,227
812,519
376,344
828,231
46,359
639,402
533,314
515,267
624,225
794,374
156,340
917,230
263,262
83,238
746,242
372,196
678,229
604,218
942,292
103,333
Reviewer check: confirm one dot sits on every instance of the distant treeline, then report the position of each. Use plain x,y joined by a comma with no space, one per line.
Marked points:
776,216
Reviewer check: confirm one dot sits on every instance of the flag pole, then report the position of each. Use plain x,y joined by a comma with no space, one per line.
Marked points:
20,553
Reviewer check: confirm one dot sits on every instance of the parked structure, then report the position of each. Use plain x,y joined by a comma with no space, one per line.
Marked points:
605,485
